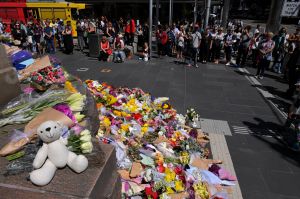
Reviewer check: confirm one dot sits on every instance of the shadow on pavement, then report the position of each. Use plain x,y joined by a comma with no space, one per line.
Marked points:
262,129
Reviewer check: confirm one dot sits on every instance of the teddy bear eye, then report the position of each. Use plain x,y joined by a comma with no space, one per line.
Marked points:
55,127
41,131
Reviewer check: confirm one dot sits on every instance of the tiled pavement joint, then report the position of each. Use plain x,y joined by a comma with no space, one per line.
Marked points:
220,151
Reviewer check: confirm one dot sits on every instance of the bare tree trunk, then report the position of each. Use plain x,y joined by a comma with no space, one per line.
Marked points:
274,19
226,8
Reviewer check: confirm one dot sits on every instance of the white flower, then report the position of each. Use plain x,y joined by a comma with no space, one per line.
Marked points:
85,132
86,138
86,146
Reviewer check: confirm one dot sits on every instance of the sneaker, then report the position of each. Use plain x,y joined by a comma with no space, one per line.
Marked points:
227,64
260,77
256,76
196,66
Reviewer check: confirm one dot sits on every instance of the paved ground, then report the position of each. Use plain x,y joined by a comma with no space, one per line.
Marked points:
265,168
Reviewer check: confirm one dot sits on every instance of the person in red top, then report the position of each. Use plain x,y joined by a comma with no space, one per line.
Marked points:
130,29
105,50
162,39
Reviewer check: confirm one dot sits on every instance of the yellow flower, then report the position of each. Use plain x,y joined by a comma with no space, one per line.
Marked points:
125,127
106,122
170,175
184,157
159,158
69,87
179,187
111,100
201,190
117,113
124,114
169,190
144,129
177,134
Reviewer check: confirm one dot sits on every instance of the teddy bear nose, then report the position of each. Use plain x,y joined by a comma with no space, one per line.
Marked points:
48,129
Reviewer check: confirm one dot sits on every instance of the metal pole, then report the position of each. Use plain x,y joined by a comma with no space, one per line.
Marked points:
195,12
170,12
157,12
207,12
150,27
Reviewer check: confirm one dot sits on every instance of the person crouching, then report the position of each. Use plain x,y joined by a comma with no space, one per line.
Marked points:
105,50
118,54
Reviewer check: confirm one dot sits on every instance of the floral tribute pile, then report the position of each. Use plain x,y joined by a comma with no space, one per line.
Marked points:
158,156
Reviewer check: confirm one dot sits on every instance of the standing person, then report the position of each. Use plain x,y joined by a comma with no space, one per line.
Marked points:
164,40
293,66
37,36
195,45
110,33
132,31
265,55
159,41
243,47
174,32
278,51
19,35
49,37
180,46
219,41
80,35
86,32
229,39
204,46
105,50
68,38
30,36
254,48
60,29
212,44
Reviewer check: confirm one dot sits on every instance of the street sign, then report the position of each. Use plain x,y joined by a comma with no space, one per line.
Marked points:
290,8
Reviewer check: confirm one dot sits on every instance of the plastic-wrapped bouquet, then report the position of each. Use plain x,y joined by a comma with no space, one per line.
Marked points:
46,77
192,117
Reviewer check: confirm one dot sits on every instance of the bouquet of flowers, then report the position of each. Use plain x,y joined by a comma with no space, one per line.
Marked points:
80,143
47,76
192,115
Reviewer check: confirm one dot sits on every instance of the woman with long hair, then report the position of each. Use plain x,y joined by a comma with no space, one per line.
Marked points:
68,38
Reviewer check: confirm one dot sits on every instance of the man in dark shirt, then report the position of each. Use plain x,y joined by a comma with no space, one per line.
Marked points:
243,47
49,38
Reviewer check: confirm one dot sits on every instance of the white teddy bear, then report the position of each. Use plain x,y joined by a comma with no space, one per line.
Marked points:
59,156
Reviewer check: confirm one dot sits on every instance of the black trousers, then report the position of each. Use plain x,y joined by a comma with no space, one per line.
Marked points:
103,56
262,65
242,54
228,53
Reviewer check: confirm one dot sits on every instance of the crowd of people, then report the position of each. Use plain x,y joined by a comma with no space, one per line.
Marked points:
249,46
189,43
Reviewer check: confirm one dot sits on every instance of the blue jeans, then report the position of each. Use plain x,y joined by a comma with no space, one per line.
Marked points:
50,46
119,54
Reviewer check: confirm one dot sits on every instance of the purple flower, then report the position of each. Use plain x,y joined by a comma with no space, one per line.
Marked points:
194,133
65,109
